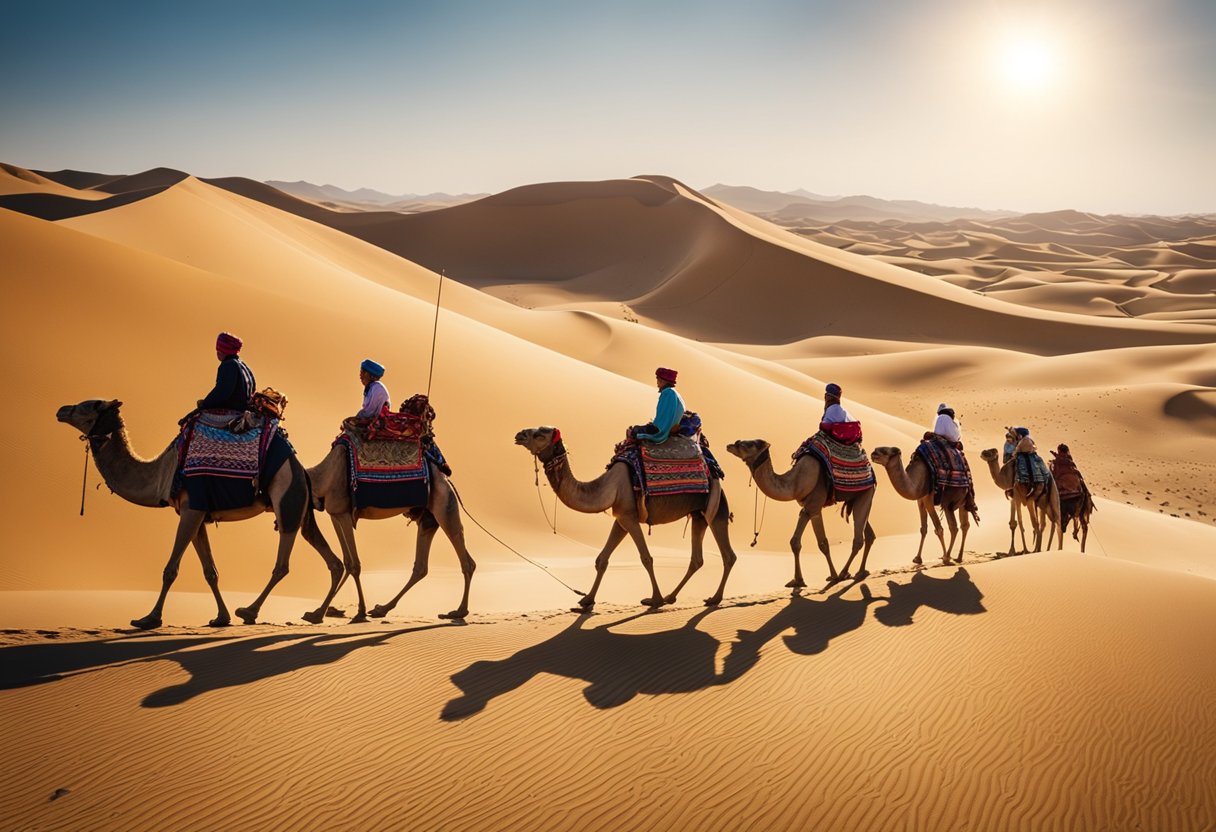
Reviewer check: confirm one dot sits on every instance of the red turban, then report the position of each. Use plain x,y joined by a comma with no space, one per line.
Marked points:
666,374
228,344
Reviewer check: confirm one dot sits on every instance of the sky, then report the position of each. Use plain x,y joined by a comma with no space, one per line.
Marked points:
1028,105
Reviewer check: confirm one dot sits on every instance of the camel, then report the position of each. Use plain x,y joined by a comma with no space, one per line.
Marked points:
807,484
613,491
1042,504
1076,510
331,493
916,483
147,482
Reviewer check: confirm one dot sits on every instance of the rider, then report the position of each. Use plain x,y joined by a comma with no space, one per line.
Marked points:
234,382
832,410
670,408
945,426
375,394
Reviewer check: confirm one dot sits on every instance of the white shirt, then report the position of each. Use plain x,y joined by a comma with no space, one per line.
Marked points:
374,400
947,427
836,413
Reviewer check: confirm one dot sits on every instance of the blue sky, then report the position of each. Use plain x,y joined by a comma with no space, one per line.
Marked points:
1114,110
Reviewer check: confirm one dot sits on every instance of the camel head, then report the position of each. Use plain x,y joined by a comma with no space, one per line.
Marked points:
538,440
748,450
988,455
884,455
94,417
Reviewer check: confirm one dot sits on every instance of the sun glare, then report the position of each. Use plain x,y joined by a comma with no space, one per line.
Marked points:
1029,62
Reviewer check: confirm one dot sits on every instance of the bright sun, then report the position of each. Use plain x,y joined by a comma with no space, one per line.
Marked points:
1029,62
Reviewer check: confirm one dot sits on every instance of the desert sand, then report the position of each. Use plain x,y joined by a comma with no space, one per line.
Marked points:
1049,690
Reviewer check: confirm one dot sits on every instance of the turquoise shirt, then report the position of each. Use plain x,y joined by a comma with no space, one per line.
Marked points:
667,416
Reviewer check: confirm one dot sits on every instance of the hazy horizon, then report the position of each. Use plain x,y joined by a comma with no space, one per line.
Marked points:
1028,106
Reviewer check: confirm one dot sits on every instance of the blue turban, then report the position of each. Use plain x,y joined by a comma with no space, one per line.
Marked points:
833,390
372,367
1022,431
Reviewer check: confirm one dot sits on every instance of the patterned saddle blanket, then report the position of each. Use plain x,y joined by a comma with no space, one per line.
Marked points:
677,466
209,446
380,461
949,469
848,466
1030,469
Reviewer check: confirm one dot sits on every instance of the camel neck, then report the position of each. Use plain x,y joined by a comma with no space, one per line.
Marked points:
145,482
776,486
589,497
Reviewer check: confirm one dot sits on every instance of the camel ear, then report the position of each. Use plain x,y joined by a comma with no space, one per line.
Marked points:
112,404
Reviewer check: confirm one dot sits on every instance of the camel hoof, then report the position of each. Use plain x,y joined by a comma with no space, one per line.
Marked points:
148,622
917,561
947,562
334,612
713,602
862,575
379,611
247,615
358,618
669,599
220,621
843,576
653,603
454,615
313,616
797,583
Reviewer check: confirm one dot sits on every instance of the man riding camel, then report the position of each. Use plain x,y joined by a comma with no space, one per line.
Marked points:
670,408
375,394
234,382
945,426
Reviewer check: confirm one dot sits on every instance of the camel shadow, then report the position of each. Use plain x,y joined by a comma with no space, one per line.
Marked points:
956,595
35,664
615,666
816,622
244,661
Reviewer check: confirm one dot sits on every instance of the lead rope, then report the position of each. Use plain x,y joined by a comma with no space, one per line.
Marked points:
756,527
85,477
539,566
541,498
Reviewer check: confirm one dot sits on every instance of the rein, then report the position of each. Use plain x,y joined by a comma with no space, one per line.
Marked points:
87,439
760,459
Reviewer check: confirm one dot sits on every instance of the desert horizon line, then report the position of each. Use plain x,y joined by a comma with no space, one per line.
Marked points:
799,192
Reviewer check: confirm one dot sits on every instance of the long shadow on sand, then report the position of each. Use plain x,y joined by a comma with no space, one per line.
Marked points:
618,666
247,660
33,664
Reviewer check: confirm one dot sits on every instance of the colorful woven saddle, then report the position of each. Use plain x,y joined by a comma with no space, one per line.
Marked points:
847,465
208,445
674,467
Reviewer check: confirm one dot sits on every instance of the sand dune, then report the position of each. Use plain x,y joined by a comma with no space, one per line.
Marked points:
1051,690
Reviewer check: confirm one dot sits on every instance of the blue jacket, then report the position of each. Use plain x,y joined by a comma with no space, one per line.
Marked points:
234,386
667,416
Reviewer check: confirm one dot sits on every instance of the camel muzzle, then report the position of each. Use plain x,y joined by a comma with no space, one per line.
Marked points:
64,413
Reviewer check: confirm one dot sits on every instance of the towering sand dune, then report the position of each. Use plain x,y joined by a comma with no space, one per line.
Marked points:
707,271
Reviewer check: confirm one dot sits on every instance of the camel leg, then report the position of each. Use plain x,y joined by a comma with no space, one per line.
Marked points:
821,537
931,510
639,539
337,570
350,565
212,575
1015,518
282,561
187,529
1017,505
696,560
964,520
947,549
721,531
796,547
1084,521
427,526
925,510
863,534
453,527
615,535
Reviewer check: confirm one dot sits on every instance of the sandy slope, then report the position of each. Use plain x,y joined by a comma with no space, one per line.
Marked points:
1048,691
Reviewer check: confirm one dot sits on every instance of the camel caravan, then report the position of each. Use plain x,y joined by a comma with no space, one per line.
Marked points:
231,460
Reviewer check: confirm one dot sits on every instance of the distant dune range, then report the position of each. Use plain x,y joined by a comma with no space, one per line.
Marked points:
1052,690
665,253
